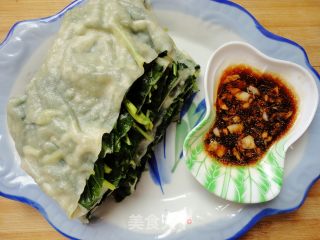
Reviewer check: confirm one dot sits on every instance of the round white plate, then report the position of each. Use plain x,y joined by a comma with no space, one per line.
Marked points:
181,208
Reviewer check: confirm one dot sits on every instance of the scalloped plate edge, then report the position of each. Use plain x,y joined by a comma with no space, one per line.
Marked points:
260,28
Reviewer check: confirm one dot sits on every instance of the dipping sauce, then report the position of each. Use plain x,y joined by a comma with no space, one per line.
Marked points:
253,110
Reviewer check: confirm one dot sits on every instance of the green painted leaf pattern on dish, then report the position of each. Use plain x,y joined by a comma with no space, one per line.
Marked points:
194,156
212,177
264,183
275,167
239,186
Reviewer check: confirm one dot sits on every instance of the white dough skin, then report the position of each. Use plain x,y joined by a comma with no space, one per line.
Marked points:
76,95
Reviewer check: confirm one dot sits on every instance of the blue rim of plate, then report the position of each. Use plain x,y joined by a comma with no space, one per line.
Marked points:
265,212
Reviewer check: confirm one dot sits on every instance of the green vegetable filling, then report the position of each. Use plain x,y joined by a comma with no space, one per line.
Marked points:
151,104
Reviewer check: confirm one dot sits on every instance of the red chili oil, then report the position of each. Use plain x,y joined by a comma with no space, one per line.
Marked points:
253,111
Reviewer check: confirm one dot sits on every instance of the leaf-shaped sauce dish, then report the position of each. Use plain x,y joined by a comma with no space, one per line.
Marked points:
238,150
